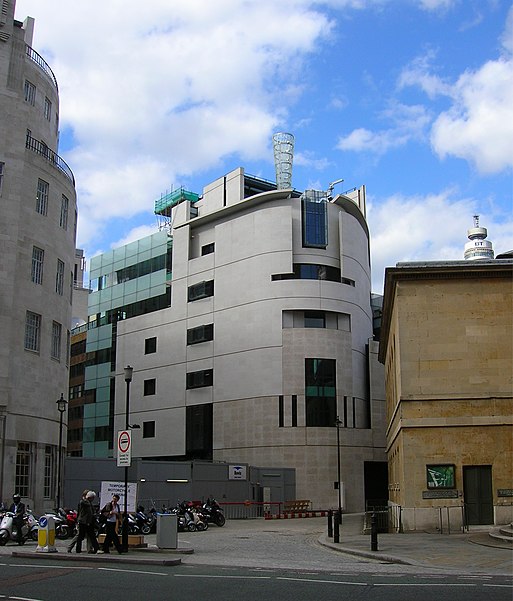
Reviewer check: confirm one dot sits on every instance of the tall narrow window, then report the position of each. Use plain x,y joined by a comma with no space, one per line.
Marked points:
2,172
48,479
48,109
22,476
38,255
59,277
32,331
63,221
56,340
42,196
281,420
320,392
294,410
315,221
30,92
148,429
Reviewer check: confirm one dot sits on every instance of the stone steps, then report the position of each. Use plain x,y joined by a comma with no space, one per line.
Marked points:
503,533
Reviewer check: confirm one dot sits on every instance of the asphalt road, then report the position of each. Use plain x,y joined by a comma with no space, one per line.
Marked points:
47,581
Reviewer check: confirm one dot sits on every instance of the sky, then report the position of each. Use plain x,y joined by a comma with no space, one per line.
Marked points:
411,98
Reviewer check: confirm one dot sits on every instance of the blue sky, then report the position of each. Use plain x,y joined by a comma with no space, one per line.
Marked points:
413,98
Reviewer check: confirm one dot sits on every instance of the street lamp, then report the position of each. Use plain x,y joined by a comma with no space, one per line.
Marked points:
61,407
338,517
128,379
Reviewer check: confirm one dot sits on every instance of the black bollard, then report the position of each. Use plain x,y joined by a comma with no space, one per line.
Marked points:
330,524
374,533
336,530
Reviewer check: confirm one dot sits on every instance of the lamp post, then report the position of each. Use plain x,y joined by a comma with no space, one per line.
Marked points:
128,379
61,407
338,517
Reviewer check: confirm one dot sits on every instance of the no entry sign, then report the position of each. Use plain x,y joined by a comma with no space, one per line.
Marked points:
124,448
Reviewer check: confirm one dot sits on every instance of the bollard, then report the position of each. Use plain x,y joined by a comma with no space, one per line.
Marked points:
374,532
46,535
330,524
336,530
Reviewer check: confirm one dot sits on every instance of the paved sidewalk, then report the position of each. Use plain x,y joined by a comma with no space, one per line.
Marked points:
474,552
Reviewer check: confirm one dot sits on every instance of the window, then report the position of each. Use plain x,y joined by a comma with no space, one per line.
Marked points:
281,420
56,340
22,477
315,319
150,345
42,196
150,386
199,379
148,430
294,410
2,172
48,109
63,221
200,334
59,277
200,290
207,249
310,271
315,219
48,477
38,255
320,392
30,92
32,331
199,431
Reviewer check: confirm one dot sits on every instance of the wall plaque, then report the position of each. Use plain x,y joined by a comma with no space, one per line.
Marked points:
440,494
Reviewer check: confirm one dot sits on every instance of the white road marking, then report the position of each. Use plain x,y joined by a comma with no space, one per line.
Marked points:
133,571
323,581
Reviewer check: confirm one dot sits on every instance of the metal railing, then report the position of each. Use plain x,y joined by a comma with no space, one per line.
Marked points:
41,63
52,157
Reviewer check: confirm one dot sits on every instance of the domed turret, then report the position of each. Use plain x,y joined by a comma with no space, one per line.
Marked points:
478,247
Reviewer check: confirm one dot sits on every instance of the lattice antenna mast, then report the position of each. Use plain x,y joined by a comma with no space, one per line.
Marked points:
283,146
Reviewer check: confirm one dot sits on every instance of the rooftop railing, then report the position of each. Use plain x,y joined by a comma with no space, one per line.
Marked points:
41,63
52,157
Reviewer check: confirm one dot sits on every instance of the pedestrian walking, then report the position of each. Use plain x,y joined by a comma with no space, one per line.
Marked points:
86,523
73,541
113,515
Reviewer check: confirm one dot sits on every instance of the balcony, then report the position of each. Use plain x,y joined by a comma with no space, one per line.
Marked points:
42,149
42,64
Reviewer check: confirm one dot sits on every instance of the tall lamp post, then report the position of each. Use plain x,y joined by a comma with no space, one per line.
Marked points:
338,423
128,379
61,407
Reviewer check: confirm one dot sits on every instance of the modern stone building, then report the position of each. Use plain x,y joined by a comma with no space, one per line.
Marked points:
447,347
263,338
38,215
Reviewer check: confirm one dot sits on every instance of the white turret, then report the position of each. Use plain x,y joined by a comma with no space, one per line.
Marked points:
478,247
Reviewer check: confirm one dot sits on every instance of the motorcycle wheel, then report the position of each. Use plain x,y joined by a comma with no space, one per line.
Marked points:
220,520
62,532
4,537
191,527
201,526
146,529
34,535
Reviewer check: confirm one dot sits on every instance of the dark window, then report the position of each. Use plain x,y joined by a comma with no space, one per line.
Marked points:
198,431
150,386
310,271
198,379
200,290
280,411
348,282
148,429
320,392
294,410
150,345
315,319
207,249
315,220
200,334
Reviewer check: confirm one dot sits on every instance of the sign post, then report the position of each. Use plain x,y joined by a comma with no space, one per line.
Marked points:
124,448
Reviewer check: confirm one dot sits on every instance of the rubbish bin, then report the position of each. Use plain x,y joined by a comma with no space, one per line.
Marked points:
167,531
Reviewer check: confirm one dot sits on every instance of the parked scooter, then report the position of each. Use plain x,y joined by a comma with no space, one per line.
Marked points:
8,531
213,512
144,521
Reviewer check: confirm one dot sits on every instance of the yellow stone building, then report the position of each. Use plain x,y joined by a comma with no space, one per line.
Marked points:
447,347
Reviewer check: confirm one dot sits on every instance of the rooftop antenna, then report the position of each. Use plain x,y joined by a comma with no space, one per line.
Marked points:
283,146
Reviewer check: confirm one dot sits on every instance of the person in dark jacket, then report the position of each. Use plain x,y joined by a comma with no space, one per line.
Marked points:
86,523
113,516
73,541
18,508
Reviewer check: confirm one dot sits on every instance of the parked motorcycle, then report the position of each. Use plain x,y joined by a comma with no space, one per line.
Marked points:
213,512
144,521
8,530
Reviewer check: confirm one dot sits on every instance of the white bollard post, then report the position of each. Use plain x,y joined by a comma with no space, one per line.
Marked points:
46,535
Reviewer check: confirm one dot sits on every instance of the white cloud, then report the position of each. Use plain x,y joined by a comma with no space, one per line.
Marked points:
409,123
428,228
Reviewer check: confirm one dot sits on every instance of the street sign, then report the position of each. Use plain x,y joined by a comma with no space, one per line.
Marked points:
124,448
